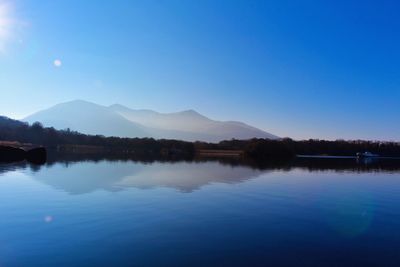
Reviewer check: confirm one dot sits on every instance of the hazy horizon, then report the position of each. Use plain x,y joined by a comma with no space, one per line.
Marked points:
302,70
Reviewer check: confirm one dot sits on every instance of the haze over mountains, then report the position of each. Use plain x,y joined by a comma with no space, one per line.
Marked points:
118,120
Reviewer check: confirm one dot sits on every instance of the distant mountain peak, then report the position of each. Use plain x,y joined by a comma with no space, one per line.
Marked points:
189,112
78,101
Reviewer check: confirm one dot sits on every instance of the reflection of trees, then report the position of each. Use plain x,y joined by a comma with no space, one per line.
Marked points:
309,164
347,164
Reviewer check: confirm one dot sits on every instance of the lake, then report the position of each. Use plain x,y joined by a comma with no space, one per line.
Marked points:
200,213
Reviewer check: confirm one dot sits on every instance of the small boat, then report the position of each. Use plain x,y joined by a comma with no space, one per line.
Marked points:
366,155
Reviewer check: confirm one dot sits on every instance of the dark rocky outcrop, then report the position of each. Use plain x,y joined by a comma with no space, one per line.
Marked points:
35,155
11,154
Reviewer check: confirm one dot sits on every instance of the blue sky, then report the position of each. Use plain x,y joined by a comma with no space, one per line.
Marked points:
304,69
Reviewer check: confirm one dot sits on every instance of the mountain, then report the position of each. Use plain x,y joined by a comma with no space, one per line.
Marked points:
118,120
87,118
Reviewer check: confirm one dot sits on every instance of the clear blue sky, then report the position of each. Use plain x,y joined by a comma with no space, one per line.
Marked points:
304,69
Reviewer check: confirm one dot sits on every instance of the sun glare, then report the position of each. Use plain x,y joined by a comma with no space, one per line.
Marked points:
5,24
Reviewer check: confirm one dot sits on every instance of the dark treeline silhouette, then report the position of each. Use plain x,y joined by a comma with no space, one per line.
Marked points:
285,148
343,147
261,149
71,141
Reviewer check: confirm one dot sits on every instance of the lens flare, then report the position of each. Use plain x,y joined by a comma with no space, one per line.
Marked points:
57,63
48,219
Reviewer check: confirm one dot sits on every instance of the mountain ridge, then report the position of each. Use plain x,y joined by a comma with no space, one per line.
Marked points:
122,121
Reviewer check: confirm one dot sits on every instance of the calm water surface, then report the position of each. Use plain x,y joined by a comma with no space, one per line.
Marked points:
197,214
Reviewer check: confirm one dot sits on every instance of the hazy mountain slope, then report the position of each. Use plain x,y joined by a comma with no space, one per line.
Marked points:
87,118
118,120
190,121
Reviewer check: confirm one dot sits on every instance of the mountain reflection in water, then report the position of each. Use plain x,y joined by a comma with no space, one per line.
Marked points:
86,174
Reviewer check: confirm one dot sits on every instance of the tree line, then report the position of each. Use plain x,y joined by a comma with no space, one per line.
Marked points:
262,149
286,147
13,130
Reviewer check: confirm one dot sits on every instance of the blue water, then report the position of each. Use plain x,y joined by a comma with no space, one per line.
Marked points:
197,214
